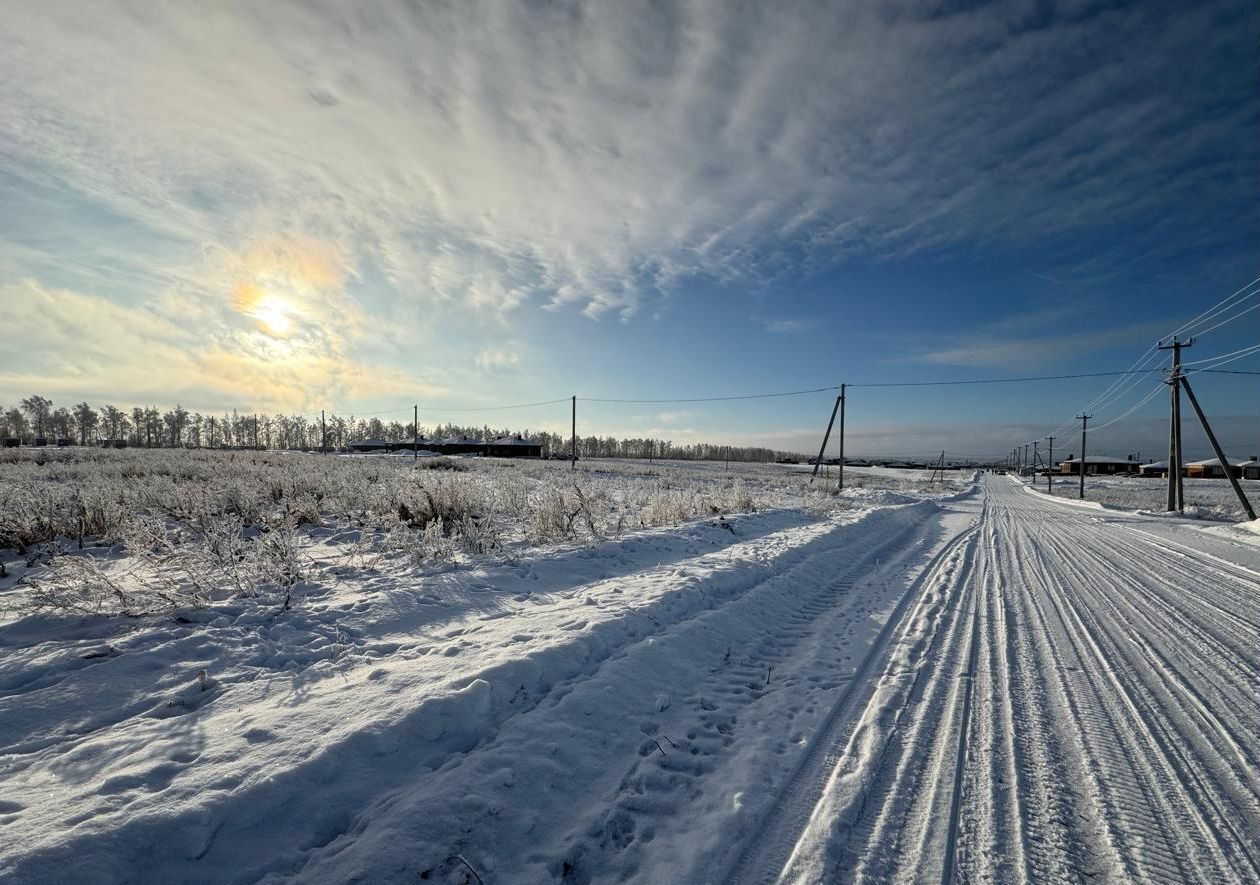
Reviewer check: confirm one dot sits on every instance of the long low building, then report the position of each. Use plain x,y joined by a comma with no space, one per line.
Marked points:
503,447
513,447
1210,468
1096,465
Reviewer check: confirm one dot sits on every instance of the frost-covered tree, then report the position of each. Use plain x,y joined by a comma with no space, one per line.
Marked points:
114,421
87,420
38,409
14,425
61,423
137,426
176,420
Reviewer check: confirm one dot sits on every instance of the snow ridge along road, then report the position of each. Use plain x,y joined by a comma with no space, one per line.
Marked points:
1075,701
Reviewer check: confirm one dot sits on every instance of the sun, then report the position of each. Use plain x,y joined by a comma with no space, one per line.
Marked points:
272,312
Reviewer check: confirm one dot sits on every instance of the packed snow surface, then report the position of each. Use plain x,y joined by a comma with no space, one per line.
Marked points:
974,682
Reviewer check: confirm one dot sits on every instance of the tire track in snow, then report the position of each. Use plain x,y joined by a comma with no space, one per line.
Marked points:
1197,807
763,859
1078,710
1165,817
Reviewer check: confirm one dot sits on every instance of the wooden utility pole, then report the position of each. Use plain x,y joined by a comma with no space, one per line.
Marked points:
1050,468
826,436
573,447
840,483
1035,461
415,434
1216,447
1084,426
323,433
1176,491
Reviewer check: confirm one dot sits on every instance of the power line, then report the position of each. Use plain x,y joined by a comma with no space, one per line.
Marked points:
1251,348
1215,309
1146,399
550,402
1002,380
1121,386
1225,362
714,399
1200,334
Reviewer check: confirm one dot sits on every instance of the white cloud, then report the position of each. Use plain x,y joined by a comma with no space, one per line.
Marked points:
497,361
788,326
1000,346
493,155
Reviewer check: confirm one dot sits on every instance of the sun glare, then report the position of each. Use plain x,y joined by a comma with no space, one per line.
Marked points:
272,313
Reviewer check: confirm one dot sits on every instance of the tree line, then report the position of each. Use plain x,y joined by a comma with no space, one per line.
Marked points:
35,421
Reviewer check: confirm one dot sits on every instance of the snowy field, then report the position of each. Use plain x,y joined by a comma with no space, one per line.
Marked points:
262,666
1210,499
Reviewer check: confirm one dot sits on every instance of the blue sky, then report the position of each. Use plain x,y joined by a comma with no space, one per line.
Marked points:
291,207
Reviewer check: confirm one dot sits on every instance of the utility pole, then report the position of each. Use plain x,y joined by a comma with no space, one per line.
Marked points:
573,449
840,484
826,436
323,433
1050,468
1220,455
1035,461
415,434
1176,492
1084,425
1023,465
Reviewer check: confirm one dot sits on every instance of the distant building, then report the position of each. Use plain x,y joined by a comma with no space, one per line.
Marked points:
513,447
459,445
1155,469
1099,465
410,445
369,445
1210,468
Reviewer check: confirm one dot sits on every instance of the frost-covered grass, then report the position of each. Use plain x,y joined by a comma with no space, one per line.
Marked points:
1211,499
134,531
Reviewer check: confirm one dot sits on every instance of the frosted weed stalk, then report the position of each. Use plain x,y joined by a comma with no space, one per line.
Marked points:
188,527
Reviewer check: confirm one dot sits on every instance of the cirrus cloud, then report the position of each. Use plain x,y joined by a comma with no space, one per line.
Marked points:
491,155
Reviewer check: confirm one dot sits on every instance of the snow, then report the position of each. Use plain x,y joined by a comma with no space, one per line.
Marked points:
1208,499
907,680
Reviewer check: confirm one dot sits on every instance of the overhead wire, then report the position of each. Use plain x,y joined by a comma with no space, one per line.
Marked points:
1215,309
1251,348
1230,319
1146,399
1123,385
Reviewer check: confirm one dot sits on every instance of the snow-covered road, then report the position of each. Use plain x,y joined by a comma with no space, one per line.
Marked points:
1076,700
